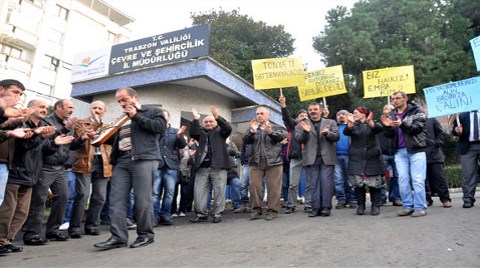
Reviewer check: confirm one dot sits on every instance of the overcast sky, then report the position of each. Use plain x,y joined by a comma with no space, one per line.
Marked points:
303,19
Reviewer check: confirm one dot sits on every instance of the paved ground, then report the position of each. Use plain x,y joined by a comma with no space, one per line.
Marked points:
444,238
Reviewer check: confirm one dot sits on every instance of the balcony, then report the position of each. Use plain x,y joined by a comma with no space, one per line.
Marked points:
18,37
15,66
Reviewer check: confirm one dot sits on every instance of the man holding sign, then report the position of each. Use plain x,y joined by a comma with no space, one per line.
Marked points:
408,126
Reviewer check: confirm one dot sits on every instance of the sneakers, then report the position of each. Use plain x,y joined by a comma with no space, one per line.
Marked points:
174,215
64,226
181,214
405,212
447,204
419,213
241,209
130,224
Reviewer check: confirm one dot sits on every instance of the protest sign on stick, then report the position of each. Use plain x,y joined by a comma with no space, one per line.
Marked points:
454,97
278,73
383,82
323,83
475,43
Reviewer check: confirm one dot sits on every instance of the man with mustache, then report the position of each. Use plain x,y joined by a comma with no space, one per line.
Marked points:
135,156
211,164
53,177
318,136
91,167
25,172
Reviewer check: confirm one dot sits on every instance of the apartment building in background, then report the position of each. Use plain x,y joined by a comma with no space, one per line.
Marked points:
39,39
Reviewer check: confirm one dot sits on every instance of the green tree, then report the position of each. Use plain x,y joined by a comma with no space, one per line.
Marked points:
237,39
432,35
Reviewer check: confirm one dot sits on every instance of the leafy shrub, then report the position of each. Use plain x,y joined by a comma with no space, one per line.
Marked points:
453,175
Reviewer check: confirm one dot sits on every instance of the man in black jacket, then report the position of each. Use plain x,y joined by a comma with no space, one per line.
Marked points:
435,161
467,129
211,164
53,177
294,154
408,128
25,172
135,155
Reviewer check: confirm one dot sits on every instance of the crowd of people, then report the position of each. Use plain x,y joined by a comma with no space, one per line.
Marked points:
137,171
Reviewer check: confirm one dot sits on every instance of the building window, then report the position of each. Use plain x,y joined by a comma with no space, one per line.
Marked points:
55,36
50,62
62,12
11,51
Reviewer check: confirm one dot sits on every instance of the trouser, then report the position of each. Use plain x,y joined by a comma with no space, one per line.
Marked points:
13,211
436,182
53,178
82,192
137,175
273,175
206,179
3,180
416,165
469,162
321,181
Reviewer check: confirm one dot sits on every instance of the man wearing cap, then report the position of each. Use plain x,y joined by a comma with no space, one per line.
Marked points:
343,190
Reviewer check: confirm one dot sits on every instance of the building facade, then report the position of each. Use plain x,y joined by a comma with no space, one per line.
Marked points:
39,38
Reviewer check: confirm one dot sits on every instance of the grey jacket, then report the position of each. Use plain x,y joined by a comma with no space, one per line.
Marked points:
309,140
273,149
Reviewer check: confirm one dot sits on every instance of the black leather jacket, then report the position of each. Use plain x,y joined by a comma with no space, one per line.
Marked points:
28,159
413,127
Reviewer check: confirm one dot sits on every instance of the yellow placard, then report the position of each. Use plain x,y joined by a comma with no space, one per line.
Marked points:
383,82
323,83
278,73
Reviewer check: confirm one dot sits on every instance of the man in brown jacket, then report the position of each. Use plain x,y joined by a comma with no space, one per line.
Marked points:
91,166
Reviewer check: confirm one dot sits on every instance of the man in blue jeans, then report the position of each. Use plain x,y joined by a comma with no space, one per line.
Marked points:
343,190
166,177
408,128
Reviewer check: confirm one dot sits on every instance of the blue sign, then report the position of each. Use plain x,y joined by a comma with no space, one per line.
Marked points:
455,97
475,42
160,49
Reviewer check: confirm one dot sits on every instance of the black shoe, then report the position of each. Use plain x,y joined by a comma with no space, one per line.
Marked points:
375,210
290,210
74,233
4,249
92,231
314,213
341,205
325,212
307,209
13,248
199,219
217,219
165,221
361,209
56,236
110,244
141,241
467,205
34,240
